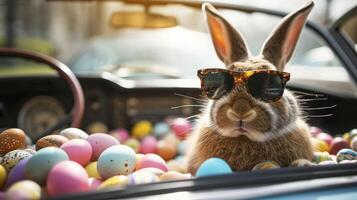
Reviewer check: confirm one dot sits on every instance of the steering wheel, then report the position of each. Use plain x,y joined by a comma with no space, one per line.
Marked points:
65,73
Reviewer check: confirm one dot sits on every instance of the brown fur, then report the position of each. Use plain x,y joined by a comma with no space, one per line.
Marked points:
243,154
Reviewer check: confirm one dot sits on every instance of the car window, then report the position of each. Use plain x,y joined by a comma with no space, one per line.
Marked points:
349,28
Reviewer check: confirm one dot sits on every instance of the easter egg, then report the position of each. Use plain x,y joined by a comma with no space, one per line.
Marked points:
115,181
328,162
172,140
181,127
141,129
172,175
346,154
133,143
11,139
320,157
319,145
78,150
315,130
73,133
152,160
148,145
13,157
116,160
266,165
165,150
138,157
51,141
213,166
100,142
156,171
161,129
92,171
17,173
337,144
38,166
31,151
142,177
182,147
174,165
67,177
94,183
325,137
120,134
347,161
352,134
301,163
25,189
354,143
2,176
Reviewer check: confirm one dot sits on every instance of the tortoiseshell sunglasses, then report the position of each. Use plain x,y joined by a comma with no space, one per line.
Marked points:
266,85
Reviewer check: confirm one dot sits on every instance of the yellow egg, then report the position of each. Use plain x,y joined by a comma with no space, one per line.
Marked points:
2,176
115,181
24,190
319,145
142,129
133,143
346,136
92,171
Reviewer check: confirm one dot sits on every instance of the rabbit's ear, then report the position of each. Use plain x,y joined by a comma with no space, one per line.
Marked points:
281,43
229,44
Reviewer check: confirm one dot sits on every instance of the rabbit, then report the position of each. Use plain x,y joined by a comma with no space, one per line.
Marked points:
238,128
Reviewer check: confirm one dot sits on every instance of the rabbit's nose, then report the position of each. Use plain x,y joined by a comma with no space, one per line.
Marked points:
241,106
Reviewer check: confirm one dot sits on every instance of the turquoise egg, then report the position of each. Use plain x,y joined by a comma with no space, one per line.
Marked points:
38,166
161,129
213,166
346,154
116,160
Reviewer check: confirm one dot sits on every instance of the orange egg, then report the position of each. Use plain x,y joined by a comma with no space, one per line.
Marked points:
166,150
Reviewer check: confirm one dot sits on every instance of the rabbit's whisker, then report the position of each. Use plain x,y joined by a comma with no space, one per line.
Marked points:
193,116
319,108
319,116
189,97
184,106
308,94
317,99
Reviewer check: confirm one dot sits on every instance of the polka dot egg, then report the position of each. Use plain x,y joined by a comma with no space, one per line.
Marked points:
13,157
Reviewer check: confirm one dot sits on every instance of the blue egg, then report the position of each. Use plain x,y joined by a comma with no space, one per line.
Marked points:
161,129
38,166
116,160
213,166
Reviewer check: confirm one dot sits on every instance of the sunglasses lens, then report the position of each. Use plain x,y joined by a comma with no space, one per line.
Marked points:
266,86
217,84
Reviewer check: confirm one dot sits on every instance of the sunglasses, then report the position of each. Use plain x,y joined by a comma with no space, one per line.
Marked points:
266,85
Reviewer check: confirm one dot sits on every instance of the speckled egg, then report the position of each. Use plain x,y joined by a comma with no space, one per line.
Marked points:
78,150
67,177
141,129
92,171
101,142
133,143
346,154
31,151
165,150
161,129
328,162
172,175
120,134
152,160
94,183
13,157
337,144
41,163
301,163
181,127
24,190
51,141
115,181
3,176
319,145
12,139
74,133
213,166
148,145
266,165
142,177
116,160
320,157
17,173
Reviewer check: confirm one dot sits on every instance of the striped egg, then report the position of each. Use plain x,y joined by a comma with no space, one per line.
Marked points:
320,157
346,154
13,157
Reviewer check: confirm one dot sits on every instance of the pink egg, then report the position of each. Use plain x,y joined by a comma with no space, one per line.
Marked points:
181,127
148,145
315,130
325,137
100,142
78,150
152,161
120,134
67,177
94,183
